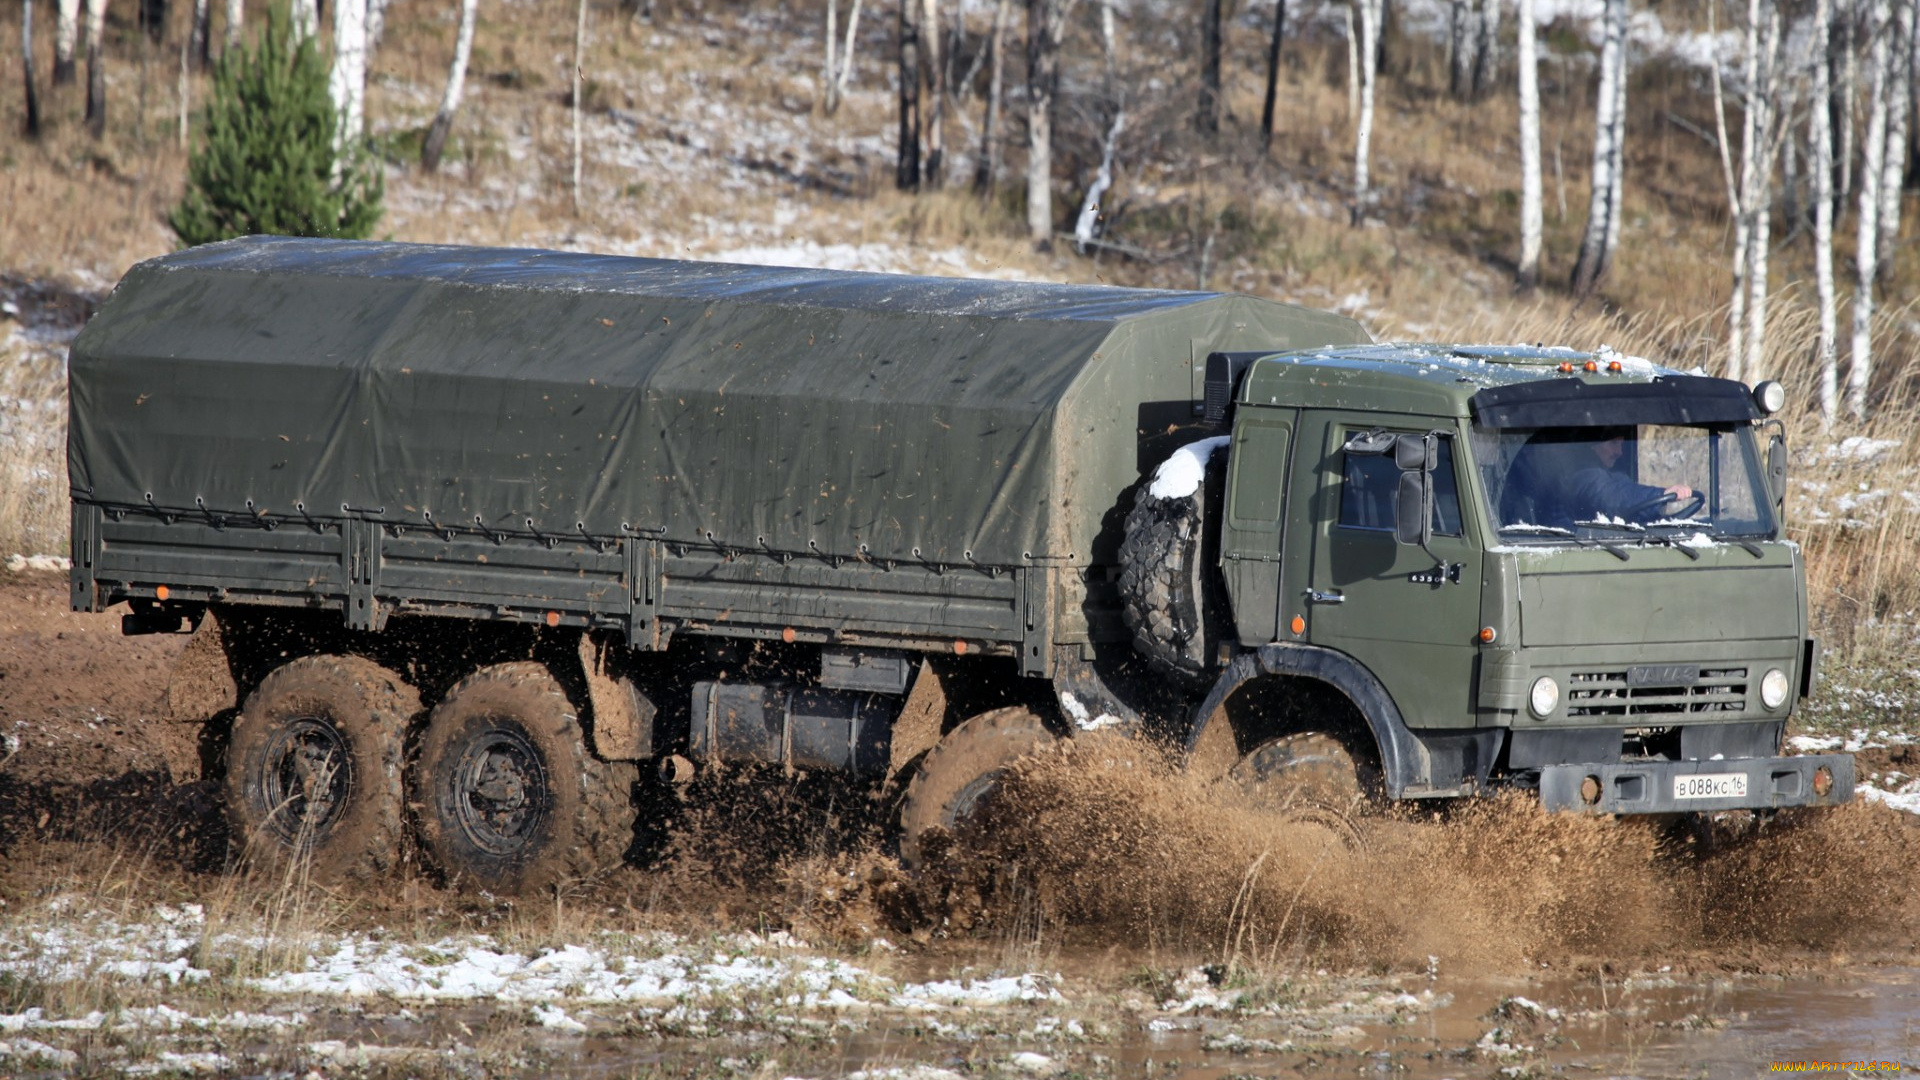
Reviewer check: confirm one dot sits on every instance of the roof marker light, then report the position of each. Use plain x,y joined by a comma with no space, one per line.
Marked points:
1614,366
1591,365
1566,367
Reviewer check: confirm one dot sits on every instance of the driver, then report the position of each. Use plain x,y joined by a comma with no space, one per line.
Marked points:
1596,486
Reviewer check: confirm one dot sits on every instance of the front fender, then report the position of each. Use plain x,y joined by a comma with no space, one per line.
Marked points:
1404,764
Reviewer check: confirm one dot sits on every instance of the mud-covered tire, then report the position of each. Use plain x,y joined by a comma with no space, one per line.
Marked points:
1311,777
336,724
960,772
1167,577
1307,768
509,797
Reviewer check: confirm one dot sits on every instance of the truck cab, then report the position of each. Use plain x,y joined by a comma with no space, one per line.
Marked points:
1521,567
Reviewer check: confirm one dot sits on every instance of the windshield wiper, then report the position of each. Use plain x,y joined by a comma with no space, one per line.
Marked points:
1579,541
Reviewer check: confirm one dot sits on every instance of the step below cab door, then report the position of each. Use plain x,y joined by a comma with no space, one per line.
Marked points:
1412,617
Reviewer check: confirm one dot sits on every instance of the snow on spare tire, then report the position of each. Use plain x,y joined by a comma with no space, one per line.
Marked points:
1165,576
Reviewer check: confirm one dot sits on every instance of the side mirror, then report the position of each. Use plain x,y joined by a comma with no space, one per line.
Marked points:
1416,455
1777,473
1413,508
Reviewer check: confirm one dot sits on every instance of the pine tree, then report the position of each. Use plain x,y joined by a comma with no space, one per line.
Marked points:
268,163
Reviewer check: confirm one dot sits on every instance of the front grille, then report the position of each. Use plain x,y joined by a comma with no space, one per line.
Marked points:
1607,694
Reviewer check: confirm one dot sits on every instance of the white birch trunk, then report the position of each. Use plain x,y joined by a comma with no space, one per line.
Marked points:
933,64
1742,197
236,16
832,66
1531,212
1083,228
348,80
1363,132
846,59
579,62
376,23
1460,46
66,40
1849,95
1617,175
1893,177
1046,28
436,140
1820,134
1866,262
1594,250
1766,107
305,21
1353,64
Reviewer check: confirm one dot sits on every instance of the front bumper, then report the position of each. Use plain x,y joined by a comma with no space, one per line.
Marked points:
1649,787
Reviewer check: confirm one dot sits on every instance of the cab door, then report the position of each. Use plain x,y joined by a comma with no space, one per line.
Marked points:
1411,617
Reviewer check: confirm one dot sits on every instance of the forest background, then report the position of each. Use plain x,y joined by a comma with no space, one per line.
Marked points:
1710,188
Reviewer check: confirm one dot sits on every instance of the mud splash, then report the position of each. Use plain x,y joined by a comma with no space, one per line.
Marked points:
1097,839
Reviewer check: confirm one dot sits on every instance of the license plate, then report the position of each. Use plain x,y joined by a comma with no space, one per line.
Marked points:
1732,785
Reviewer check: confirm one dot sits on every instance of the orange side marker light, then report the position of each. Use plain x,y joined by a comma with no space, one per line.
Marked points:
553,618
1298,625
160,592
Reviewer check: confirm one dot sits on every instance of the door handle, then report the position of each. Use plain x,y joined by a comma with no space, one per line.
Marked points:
1331,596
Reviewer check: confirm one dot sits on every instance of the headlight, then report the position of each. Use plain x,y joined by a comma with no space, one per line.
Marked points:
1770,396
1546,696
1773,689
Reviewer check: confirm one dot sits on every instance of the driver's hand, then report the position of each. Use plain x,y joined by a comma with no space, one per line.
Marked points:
1680,491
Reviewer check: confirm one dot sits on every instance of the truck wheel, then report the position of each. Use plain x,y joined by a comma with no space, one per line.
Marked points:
961,771
1310,776
1167,578
314,767
509,797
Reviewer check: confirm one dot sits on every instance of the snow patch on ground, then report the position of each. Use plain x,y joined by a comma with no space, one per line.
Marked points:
659,973
1180,475
19,563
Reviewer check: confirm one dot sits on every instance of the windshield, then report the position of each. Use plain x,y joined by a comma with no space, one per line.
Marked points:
1543,483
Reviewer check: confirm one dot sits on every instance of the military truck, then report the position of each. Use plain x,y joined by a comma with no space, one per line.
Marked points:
467,538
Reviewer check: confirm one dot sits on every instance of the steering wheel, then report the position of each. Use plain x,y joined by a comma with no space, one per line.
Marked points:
1689,507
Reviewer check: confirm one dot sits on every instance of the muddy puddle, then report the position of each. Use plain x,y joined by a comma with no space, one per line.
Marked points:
1648,1025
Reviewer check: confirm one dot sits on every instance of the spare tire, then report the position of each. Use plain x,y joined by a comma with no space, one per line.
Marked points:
1171,592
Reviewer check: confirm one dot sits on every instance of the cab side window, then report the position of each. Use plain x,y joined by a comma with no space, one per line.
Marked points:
1366,493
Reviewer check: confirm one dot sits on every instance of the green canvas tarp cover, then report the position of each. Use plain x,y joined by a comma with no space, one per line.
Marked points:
788,410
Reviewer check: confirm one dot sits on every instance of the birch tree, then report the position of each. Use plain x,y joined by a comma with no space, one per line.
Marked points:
1363,131
838,69
436,140
1531,213
579,65
1273,74
31,122
1900,75
1609,130
1763,107
347,82
1820,135
933,70
96,68
66,41
1088,220
236,15
1046,30
1866,261
986,168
